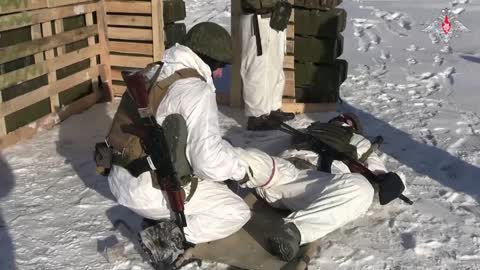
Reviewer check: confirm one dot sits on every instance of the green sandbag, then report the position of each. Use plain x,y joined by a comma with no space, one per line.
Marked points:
173,10
321,51
319,83
174,33
317,4
321,24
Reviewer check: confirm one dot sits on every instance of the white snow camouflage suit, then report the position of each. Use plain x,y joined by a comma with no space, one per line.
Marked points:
321,202
214,211
262,76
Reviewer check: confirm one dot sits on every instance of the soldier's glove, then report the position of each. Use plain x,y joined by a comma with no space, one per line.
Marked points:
390,187
260,166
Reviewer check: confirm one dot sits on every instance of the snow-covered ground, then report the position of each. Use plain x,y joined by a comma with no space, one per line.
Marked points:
55,213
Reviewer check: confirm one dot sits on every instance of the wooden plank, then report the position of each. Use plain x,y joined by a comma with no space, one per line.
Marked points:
129,20
48,121
290,31
117,75
289,89
118,90
130,61
18,20
79,105
131,47
36,31
3,128
56,3
59,29
157,30
308,107
130,33
20,5
52,76
290,46
289,62
105,74
46,91
51,65
93,59
236,29
28,131
129,7
31,47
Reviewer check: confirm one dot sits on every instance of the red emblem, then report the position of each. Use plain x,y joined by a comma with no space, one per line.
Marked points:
446,25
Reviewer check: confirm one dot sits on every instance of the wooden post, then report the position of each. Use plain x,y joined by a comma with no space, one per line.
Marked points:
157,29
59,29
236,31
3,128
91,42
52,76
106,71
36,31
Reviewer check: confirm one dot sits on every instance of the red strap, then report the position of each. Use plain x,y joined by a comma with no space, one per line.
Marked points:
271,175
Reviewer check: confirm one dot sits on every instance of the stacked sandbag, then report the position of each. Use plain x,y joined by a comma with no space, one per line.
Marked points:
318,44
173,12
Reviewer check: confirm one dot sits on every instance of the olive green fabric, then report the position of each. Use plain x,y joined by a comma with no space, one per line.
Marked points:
335,136
258,6
127,147
322,51
319,82
321,24
210,39
280,16
317,4
174,33
173,10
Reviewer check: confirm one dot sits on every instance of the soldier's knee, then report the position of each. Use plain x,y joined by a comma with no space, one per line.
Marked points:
365,190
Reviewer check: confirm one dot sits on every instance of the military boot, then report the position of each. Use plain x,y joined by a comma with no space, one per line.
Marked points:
281,116
263,122
286,243
162,243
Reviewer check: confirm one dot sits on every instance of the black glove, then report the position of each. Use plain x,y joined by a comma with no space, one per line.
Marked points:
390,187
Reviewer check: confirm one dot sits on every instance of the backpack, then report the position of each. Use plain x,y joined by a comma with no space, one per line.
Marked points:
126,148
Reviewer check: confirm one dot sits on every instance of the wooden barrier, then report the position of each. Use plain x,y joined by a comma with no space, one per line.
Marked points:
51,53
136,37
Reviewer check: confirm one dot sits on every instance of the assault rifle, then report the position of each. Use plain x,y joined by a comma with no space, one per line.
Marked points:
390,185
154,145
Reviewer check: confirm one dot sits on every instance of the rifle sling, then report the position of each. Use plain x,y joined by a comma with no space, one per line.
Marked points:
256,31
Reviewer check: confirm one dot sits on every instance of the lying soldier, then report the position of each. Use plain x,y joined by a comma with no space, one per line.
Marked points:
320,201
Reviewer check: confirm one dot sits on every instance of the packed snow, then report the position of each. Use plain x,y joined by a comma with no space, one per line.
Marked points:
420,94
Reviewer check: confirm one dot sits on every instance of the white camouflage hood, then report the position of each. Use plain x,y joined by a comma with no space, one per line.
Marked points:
180,57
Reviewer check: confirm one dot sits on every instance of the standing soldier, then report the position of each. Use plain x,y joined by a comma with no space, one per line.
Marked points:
263,25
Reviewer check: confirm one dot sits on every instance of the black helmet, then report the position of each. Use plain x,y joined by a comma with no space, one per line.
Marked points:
211,40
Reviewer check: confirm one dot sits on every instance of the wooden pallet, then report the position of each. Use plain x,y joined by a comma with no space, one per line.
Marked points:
47,44
136,37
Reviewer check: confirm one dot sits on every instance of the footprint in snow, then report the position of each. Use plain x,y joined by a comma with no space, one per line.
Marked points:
408,240
437,60
374,38
411,61
447,49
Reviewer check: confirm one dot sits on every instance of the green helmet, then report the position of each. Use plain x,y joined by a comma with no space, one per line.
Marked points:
210,39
